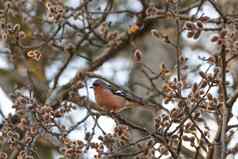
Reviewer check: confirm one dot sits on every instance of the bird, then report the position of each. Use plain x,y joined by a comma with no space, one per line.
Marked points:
113,100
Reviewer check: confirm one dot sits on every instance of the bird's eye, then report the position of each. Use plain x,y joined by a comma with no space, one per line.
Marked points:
95,84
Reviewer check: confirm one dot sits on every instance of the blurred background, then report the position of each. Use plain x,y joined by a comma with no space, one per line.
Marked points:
44,44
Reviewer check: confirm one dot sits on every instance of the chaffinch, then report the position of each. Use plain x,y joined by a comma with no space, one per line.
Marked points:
114,100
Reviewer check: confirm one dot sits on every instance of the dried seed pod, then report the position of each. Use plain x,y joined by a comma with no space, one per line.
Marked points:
197,34
190,34
112,35
223,33
199,24
137,55
214,38
194,88
209,96
151,11
4,35
30,54
3,155
37,56
204,18
189,26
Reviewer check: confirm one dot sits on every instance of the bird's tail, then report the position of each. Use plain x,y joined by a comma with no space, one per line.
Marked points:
136,101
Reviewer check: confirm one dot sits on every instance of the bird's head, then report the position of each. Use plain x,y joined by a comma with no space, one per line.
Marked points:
98,83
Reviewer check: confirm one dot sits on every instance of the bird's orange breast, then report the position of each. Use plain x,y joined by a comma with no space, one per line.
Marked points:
106,99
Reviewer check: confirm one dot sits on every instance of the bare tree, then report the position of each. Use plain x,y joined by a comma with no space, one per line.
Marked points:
194,99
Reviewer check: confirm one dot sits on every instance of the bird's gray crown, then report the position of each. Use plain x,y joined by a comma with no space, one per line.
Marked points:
99,83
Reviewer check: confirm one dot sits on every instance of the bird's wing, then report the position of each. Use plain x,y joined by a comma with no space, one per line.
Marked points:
128,96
